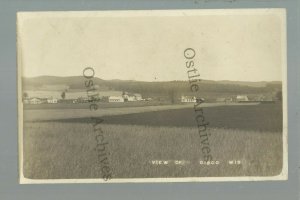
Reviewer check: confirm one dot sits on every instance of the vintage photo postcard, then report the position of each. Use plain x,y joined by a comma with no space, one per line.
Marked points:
152,96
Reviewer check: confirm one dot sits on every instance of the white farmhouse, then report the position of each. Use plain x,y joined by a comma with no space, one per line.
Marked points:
242,98
35,101
132,97
138,97
188,99
52,100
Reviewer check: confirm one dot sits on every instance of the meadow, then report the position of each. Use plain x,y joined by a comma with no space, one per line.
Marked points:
262,117
62,106
63,111
65,148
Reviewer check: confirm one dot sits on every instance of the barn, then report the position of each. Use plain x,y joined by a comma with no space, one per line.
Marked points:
115,99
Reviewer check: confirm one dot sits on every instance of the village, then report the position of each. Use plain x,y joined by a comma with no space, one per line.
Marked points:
124,97
236,99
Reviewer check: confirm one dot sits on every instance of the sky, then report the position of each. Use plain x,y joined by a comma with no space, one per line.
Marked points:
237,45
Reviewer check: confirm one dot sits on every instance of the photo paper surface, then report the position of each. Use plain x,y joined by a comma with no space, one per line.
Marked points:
152,96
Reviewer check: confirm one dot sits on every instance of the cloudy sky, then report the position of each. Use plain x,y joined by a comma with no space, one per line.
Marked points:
246,45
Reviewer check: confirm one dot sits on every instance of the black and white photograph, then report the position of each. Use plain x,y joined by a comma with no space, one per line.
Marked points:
152,96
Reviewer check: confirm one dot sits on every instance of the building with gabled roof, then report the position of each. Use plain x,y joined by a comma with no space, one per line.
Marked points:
188,99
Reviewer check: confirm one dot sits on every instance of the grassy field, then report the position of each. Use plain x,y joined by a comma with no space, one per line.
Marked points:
262,117
57,150
60,114
72,113
86,105
65,148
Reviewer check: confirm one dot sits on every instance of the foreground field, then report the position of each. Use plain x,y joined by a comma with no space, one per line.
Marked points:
67,150
72,113
263,117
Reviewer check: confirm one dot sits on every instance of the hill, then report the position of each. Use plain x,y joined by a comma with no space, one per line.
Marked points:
207,88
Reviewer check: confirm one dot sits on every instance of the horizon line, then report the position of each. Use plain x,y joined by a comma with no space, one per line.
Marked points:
148,81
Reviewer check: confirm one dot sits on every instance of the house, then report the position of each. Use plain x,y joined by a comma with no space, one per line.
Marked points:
188,99
35,100
115,99
52,100
138,97
241,98
131,97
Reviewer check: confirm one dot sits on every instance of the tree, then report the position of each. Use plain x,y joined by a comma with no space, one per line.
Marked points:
63,95
172,95
25,95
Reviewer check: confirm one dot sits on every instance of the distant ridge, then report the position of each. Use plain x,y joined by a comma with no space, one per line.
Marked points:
70,80
208,88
